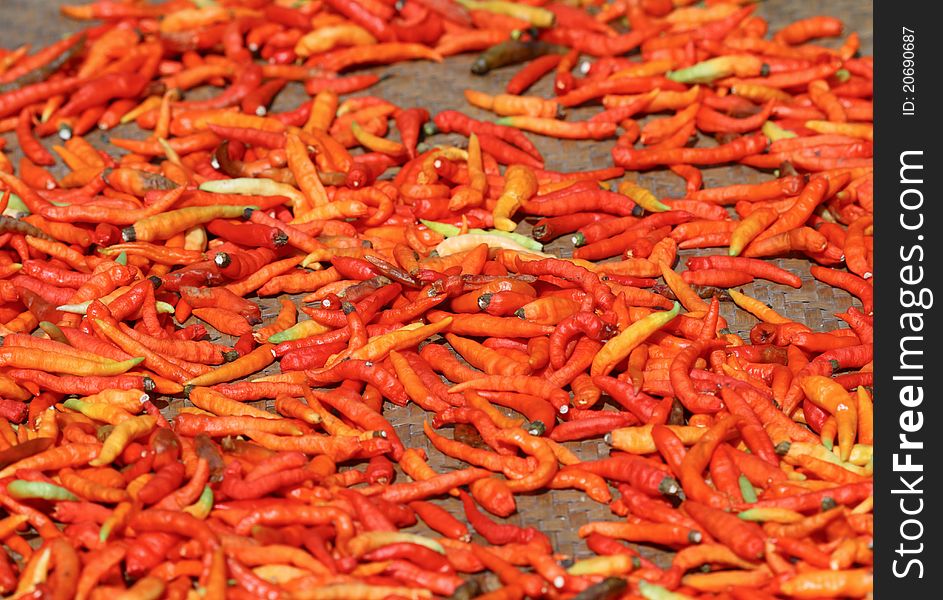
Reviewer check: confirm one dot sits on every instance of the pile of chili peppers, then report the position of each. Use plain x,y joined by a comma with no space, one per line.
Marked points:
750,459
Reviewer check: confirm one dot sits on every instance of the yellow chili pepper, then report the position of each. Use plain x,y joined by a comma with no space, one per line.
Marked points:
54,362
306,174
220,405
129,400
404,337
757,308
371,540
252,362
121,436
520,184
858,130
536,16
642,197
254,187
750,227
617,564
34,572
771,514
622,345
682,291
828,394
375,142
107,413
638,440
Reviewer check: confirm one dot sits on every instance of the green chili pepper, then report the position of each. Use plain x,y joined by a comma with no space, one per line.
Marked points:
705,71
775,132
656,592
204,504
746,489
296,332
451,230
441,228
16,207
122,259
23,489
253,187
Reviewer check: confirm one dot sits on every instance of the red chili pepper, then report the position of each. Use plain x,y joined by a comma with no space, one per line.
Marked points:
439,520
12,102
409,123
30,146
496,533
743,537
449,121
103,89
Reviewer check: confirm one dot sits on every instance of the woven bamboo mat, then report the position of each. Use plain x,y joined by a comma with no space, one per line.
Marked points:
440,87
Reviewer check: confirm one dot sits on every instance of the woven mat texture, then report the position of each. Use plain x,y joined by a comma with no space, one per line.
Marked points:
439,87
